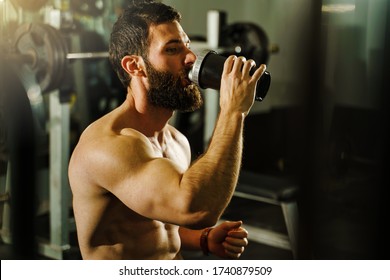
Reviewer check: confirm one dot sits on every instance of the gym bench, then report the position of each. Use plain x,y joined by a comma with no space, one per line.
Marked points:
276,191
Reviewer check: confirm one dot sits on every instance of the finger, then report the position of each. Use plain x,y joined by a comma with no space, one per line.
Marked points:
237,241
228,65
233,255
238,232
259,72
233,249
248,65
231,226
237,67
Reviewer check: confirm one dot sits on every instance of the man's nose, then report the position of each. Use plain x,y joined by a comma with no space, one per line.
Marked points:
190,58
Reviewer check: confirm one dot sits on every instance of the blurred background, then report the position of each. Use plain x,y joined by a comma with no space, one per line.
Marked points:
316,148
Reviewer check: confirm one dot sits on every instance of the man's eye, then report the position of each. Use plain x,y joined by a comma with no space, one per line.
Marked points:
171,50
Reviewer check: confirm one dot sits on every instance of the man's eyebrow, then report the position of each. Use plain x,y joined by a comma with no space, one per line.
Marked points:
177,41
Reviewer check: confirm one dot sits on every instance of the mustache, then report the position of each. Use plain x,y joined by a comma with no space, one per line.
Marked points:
185,72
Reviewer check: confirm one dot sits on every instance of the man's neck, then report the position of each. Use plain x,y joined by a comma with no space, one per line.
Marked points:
146,118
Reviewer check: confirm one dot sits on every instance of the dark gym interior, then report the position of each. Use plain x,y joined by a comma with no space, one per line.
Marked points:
315,166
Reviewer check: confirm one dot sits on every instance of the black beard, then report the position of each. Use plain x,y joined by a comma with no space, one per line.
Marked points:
167,91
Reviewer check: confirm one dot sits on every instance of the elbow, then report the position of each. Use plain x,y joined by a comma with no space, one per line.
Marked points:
207,222
200,220
196,213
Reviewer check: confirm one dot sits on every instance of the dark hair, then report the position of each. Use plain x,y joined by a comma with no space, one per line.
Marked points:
130,33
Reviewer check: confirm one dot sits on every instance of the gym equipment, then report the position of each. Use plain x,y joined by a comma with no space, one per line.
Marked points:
42,52
20,142
207,73
241,39
276,191
246,39
39,55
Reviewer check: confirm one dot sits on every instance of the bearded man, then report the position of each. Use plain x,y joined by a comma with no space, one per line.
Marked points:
136,193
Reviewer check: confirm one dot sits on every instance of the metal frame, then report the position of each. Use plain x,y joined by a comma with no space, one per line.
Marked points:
6,221
272,238
59,198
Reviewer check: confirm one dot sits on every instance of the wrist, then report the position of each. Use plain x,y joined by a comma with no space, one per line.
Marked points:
204,241
232,115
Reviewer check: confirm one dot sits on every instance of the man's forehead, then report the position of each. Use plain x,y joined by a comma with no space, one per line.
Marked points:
167,33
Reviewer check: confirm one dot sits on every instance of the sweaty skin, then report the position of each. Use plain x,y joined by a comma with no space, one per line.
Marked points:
136,194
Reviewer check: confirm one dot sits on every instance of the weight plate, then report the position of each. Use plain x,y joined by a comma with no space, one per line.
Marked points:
60,61
48,48
250,38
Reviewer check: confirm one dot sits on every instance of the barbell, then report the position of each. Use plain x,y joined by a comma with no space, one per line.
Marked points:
42,51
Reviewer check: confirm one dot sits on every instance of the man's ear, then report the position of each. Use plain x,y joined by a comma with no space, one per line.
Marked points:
134,65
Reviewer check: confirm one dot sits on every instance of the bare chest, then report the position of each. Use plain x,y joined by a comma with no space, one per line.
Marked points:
172,150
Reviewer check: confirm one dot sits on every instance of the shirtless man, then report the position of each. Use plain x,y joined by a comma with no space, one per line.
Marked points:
136,194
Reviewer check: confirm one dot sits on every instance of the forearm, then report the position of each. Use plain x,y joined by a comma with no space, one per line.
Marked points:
190,239
209,183
213,177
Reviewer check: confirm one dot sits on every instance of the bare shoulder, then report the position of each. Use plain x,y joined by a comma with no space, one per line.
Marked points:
101,157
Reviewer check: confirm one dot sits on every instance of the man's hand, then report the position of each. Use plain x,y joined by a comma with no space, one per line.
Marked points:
237,92
228,240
